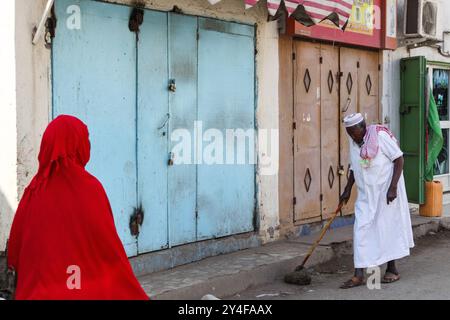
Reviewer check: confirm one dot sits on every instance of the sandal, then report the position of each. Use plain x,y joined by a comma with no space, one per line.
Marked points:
352,283
390,277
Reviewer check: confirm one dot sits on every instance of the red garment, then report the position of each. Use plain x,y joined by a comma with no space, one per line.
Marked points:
63,220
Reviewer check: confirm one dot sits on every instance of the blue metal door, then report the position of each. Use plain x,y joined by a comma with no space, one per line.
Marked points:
167,54
153,130
226,101
141,96
183,114
94,78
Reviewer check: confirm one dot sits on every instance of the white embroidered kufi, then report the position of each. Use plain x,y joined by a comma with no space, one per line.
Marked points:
353,119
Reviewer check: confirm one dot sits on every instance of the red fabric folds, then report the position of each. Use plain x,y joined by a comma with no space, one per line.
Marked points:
63,242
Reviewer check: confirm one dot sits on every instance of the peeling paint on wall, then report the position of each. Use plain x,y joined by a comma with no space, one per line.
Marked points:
33,106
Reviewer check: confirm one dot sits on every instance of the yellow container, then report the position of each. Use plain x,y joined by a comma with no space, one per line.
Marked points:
433,199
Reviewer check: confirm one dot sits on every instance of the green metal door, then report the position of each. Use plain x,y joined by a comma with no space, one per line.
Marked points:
412,125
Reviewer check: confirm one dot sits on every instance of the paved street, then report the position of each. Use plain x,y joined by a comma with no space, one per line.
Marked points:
425,275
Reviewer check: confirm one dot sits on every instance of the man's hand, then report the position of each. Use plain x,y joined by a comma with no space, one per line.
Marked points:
345,196
391,194
392,191
343,199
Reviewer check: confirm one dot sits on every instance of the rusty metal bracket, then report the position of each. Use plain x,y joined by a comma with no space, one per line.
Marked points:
50,30
177,10
136,220
37,32
136,20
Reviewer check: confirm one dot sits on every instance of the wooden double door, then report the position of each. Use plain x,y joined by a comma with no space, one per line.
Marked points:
330,82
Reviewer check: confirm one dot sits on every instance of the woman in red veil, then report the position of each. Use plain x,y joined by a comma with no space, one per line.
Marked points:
63,242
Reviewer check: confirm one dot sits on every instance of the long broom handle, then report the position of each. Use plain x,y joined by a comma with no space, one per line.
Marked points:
322,234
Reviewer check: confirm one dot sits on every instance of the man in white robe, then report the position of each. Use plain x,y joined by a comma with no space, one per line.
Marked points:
382,230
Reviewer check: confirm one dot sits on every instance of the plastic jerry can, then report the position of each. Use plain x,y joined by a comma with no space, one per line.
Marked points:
433,200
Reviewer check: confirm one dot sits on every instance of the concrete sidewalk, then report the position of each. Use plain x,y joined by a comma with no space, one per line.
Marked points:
229,274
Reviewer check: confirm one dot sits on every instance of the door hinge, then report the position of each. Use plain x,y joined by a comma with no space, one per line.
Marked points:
41,27
293,56
379,67
136,19
198,35
294,125
357,64
321,197
294,201
321,60
50,30
136,220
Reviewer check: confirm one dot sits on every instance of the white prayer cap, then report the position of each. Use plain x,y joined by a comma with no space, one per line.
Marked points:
353,119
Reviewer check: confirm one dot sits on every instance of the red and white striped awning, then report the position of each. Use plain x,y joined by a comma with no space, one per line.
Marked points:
309,12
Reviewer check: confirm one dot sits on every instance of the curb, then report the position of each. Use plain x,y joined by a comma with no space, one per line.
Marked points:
225,286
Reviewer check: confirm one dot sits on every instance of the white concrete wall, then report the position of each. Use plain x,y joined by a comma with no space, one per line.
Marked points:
33,89
267,118
8,150
33,96
391,64
24,101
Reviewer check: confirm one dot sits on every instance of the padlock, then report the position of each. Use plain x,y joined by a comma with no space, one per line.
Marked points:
172,86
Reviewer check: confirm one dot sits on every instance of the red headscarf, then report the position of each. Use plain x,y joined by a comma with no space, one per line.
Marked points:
63,242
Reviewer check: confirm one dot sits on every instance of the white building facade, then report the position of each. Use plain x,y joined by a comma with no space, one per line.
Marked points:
27,101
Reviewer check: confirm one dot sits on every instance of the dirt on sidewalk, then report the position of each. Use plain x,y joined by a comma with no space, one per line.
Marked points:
425,275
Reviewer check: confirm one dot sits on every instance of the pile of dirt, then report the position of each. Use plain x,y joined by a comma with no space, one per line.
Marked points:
337,265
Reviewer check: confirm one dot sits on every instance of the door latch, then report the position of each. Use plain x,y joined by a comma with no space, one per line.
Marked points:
171,156
347,105
136,220
172,85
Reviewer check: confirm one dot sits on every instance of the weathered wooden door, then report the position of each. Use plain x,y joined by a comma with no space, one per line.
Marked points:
329,128
359,93
316,133
329,83
368,85
94,78
349,60
307,121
